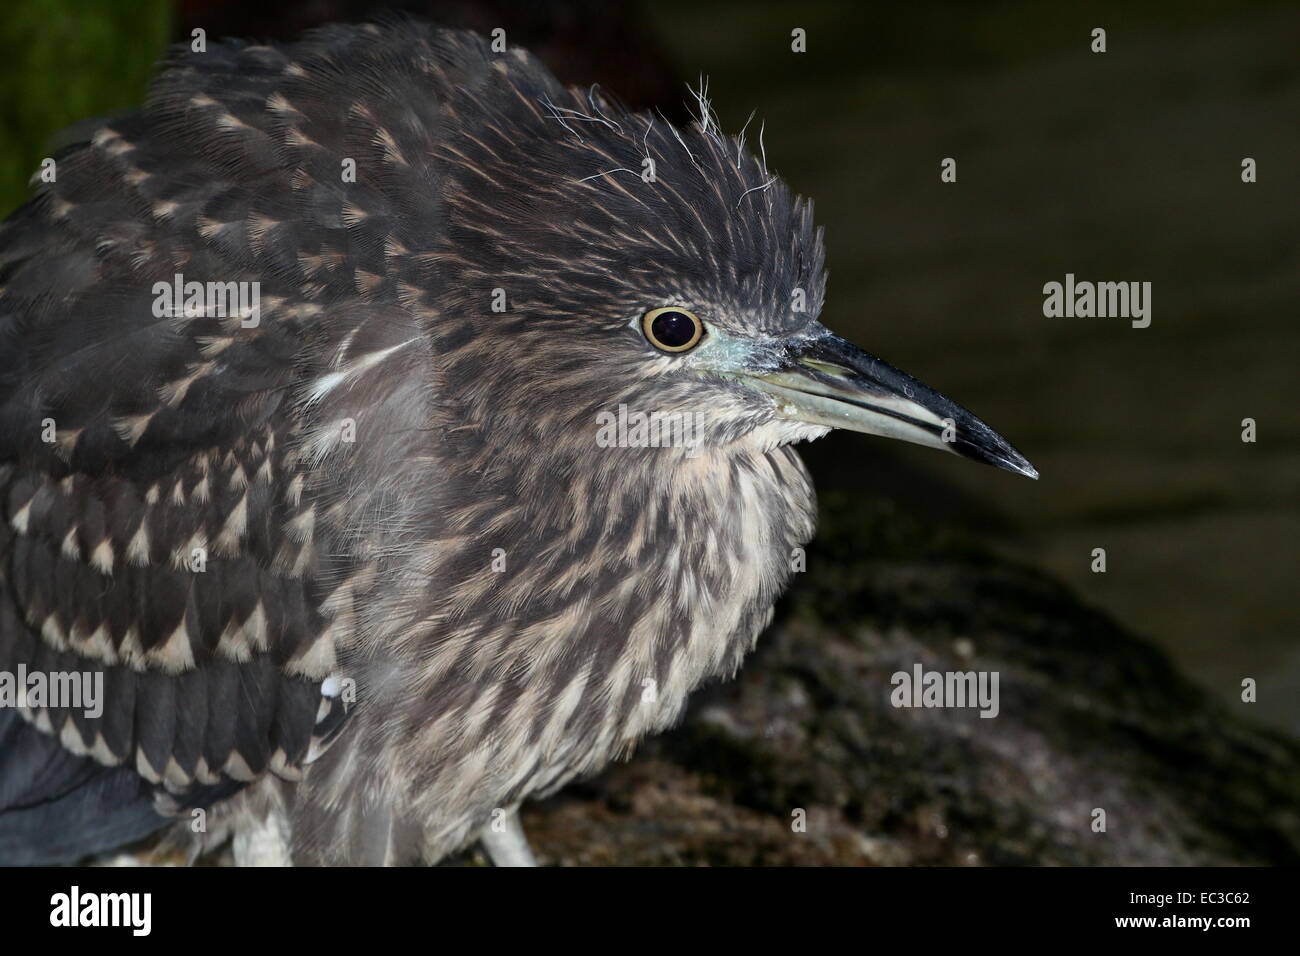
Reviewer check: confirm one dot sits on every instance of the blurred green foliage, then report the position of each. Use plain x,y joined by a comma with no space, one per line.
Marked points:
65,61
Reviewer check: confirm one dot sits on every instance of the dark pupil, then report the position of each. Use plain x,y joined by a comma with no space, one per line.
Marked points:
673,329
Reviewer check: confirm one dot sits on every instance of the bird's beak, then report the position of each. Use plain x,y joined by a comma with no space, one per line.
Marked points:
828,381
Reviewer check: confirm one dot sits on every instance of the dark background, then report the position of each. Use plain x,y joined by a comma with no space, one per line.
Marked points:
1123,166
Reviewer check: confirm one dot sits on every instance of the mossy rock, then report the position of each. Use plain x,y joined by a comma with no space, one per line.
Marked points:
1090,717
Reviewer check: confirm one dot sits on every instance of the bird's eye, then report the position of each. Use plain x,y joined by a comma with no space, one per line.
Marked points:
672,329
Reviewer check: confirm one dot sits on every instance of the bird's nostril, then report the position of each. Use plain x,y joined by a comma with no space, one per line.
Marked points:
828,368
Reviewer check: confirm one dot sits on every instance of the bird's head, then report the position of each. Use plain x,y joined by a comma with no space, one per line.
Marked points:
618,271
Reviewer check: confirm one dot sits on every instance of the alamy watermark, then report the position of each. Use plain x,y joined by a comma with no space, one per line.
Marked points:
220,300
74,690
1084,300
132,911
629,429
922,688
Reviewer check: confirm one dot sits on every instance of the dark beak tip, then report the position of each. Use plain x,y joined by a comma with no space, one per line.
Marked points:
993,449
1014,462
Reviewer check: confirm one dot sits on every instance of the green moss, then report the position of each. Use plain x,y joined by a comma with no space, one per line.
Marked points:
67,61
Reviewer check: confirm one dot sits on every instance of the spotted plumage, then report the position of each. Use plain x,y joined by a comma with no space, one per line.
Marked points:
361,564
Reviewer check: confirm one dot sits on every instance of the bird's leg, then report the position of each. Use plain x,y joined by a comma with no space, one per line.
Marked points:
505,842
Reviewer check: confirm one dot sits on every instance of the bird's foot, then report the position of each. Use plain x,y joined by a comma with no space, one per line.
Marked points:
505,842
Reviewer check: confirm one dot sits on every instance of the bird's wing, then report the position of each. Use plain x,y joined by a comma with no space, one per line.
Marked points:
167,521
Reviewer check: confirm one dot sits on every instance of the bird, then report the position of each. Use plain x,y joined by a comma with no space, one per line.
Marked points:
389,436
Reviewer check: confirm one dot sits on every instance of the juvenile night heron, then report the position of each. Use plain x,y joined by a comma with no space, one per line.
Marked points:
344,545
